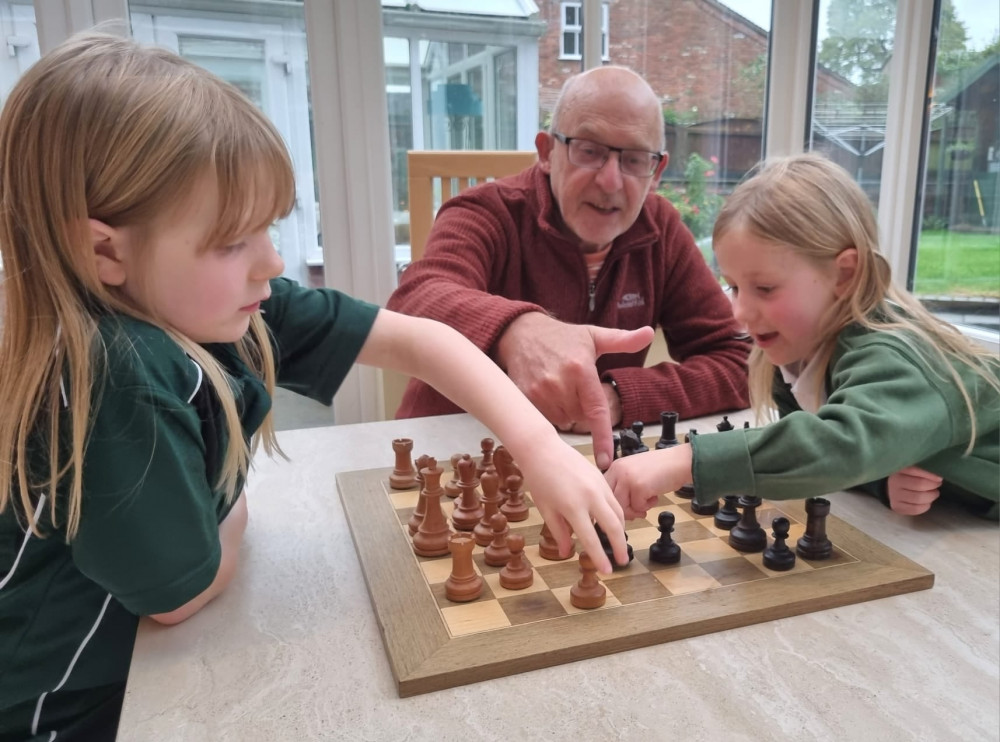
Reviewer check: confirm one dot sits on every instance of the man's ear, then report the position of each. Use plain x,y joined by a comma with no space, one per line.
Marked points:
543,145
847,267
106,243
664,161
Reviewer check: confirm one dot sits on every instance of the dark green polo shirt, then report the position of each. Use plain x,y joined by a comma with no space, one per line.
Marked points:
148,540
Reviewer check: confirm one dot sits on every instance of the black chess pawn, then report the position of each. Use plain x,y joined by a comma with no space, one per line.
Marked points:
664,550
707,509
747,535
606,545
617,441
728,515
778,556
637,428
814,544
668,434
724,425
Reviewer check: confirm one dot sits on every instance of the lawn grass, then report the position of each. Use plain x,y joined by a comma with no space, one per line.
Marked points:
958,264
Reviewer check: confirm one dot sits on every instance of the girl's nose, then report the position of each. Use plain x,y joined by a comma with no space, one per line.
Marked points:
741,308
270,264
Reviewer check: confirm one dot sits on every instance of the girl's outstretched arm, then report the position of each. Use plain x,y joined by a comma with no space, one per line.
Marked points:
638,480
569,491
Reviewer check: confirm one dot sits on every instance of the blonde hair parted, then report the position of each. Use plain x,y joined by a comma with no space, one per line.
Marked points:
812,206
103,128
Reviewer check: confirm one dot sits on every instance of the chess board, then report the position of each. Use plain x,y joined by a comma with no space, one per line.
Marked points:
433,643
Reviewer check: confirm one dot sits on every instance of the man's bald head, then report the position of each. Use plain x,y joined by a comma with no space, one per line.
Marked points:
607,88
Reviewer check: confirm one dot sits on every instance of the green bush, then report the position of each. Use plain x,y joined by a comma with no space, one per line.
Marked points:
697,205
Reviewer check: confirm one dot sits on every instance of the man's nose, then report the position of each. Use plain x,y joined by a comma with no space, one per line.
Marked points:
609,176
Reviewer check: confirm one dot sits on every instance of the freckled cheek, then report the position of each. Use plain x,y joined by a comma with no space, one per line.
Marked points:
793,319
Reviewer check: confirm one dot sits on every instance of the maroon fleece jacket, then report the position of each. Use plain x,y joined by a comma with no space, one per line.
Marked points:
500,249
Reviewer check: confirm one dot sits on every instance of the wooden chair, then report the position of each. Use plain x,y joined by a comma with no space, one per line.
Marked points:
434,177
452,173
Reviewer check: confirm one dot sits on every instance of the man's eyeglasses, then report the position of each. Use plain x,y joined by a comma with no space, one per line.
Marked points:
591,155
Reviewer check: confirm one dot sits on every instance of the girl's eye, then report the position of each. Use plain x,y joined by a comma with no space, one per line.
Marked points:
765,289
232,248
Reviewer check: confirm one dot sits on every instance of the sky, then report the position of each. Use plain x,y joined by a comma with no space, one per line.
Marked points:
981,17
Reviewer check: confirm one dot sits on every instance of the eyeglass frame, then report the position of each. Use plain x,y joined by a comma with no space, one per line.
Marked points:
658,156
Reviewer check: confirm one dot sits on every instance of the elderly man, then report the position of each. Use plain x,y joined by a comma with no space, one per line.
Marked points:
560,271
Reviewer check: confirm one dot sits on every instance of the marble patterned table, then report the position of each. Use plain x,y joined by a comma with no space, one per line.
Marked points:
292,650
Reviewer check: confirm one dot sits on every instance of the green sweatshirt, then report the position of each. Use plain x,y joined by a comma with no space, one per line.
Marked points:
887,409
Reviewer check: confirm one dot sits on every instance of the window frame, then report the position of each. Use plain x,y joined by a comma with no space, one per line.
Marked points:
352,155
575,29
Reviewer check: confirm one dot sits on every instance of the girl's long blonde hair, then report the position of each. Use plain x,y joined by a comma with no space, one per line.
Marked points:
104,128
811,205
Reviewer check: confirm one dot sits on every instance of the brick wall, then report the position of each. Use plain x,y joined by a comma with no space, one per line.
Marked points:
697,55
705,61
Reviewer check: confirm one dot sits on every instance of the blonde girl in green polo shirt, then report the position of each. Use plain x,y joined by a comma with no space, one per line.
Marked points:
870,388
144,329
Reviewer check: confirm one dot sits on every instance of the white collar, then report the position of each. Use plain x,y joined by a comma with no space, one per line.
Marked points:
808,383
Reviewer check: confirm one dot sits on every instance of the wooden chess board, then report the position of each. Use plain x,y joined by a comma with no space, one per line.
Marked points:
433,643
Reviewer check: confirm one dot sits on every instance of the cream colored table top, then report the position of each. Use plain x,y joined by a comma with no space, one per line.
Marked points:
292,650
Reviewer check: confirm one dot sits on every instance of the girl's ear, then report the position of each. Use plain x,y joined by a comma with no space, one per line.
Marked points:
847,267
108,253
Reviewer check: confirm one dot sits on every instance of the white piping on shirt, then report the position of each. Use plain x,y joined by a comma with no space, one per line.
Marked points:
24,544
69,670
197,386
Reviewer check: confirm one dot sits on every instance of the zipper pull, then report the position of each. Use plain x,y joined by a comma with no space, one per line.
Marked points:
592,291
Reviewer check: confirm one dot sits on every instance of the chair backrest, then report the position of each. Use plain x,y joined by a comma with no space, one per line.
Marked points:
454,171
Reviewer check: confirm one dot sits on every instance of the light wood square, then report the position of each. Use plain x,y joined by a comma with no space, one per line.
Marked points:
472,618
641,538
438,570
689,579
562,595
499,591
534,519
653,514
536,559
709,550
404,498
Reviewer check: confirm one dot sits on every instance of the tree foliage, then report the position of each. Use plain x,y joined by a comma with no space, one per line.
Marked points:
860,39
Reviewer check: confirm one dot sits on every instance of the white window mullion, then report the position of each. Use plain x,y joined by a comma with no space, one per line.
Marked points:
905,121
58,20
350,114
789,77
592,33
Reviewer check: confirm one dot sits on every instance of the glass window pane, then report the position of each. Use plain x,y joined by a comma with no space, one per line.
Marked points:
957,271
851,86
709,70
261,49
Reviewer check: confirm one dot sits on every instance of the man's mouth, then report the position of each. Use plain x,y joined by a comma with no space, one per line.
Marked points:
604,209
